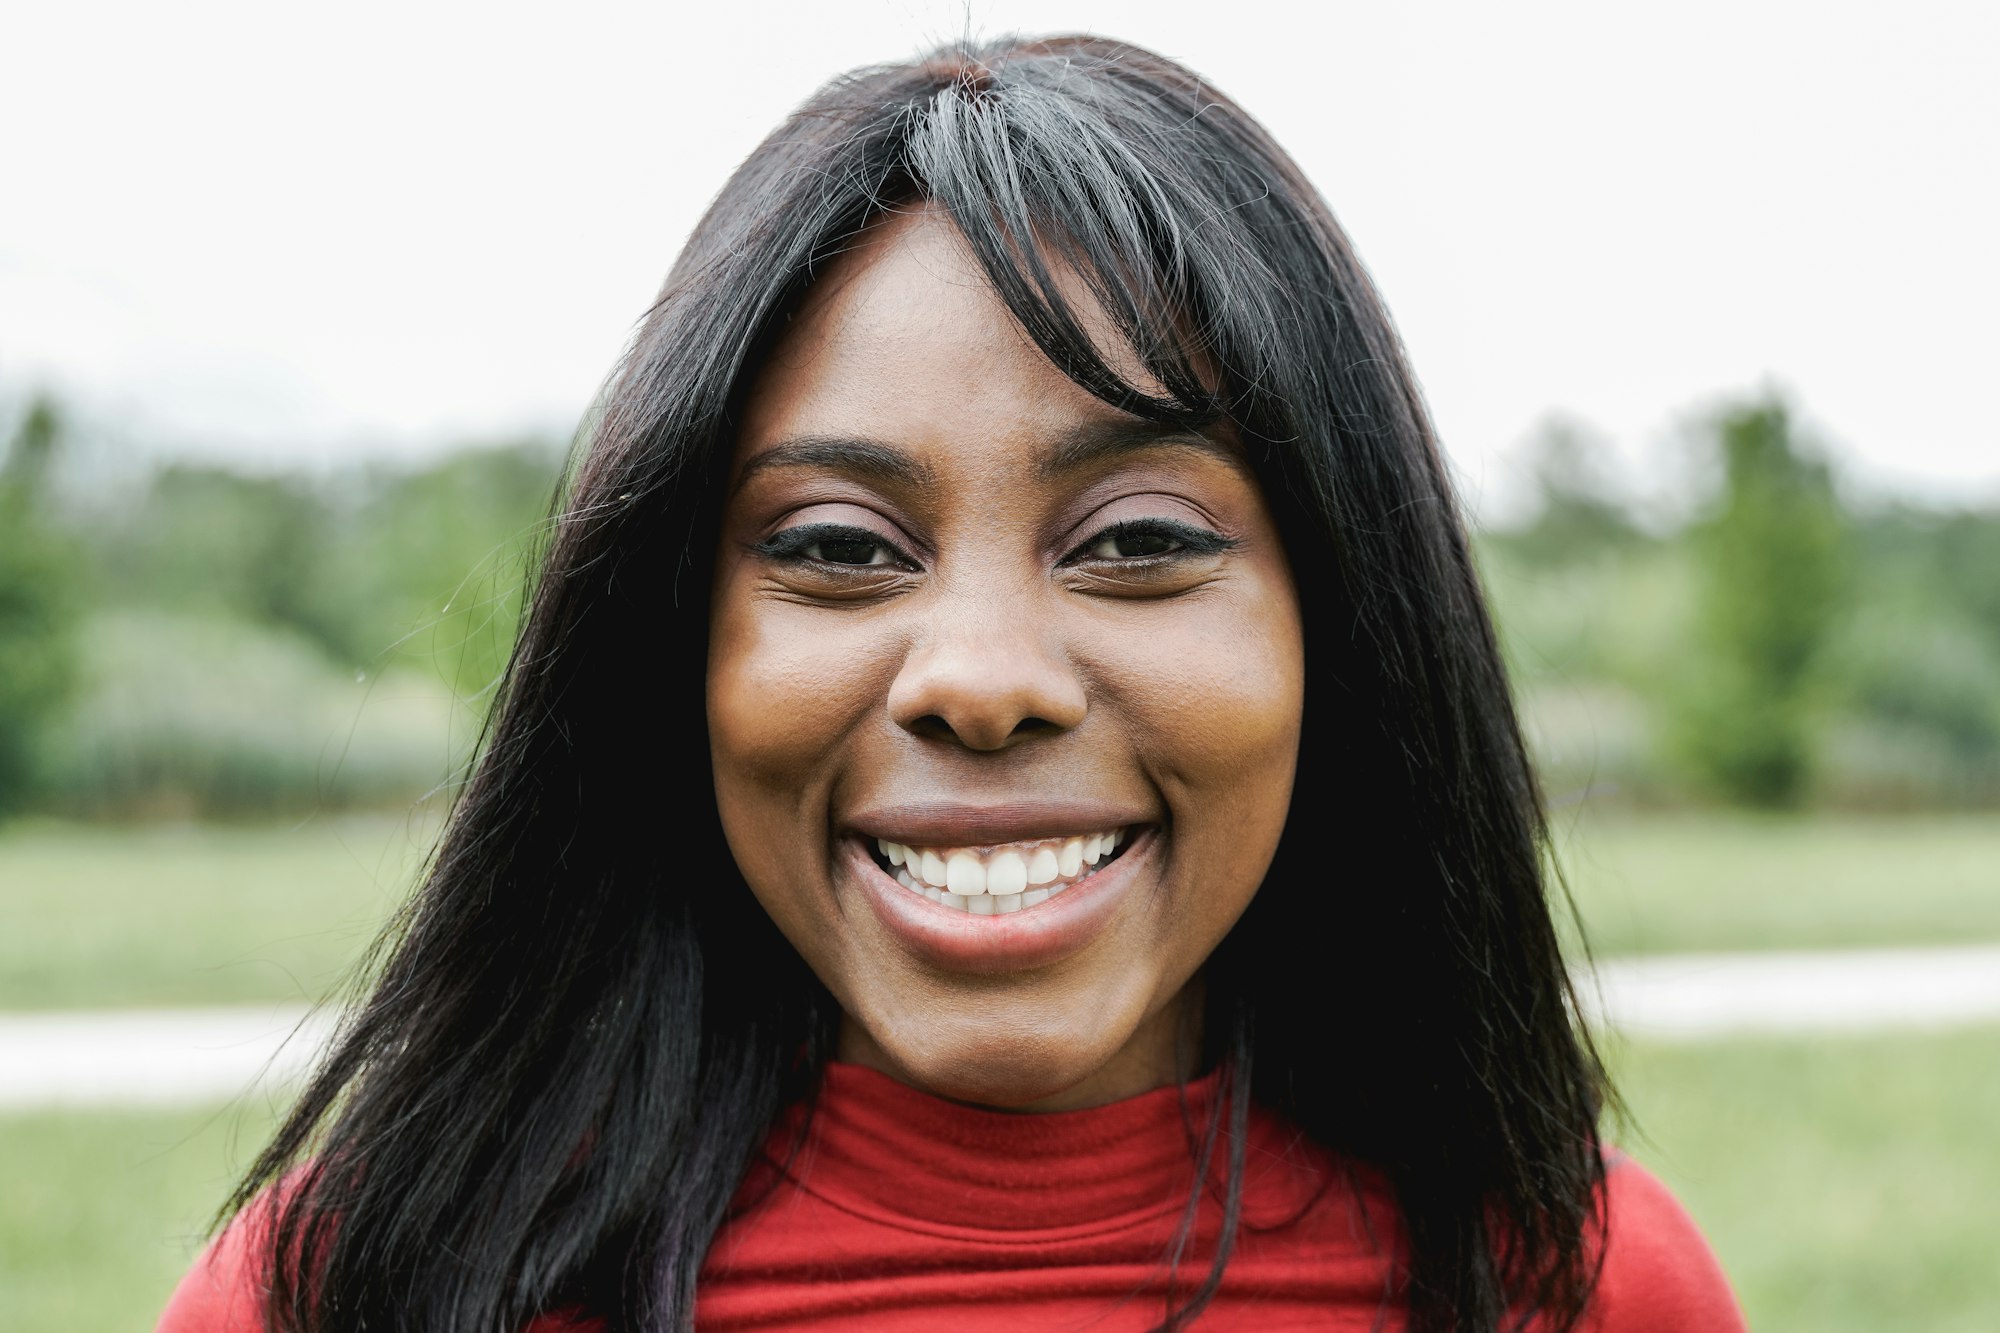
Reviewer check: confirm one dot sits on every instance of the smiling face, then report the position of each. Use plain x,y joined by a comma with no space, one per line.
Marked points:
1004,687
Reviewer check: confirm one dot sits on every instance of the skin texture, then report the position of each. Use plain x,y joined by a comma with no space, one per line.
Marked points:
981,641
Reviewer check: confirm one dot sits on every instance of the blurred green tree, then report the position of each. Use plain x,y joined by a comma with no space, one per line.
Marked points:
210,539
1578,514
39,602
375,566
1771,583
433,561
1968,565
262,641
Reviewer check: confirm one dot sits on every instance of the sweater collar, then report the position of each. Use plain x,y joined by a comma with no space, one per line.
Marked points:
901,1156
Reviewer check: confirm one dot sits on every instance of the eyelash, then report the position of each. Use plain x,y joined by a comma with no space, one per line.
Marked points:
1189,540
794,543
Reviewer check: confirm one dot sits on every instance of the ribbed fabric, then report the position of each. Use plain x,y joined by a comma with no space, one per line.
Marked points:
900,1210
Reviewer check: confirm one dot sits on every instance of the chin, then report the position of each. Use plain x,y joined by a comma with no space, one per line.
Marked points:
990,1060
1007,1077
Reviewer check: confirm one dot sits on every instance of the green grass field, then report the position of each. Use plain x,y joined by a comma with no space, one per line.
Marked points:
102,1211
1662,883
1848,1185
101,916
95,916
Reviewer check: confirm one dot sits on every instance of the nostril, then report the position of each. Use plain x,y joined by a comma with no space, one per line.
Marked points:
974,690
933,726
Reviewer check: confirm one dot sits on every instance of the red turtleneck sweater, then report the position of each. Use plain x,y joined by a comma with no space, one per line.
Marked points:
902,1211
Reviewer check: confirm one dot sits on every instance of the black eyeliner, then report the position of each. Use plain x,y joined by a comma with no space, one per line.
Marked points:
1193,540
792,543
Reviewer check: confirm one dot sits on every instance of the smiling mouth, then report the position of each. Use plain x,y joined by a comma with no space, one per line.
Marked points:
1006,877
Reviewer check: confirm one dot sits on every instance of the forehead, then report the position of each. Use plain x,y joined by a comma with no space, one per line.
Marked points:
904,339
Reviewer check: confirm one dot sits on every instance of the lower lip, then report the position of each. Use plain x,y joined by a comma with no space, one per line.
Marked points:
1037,936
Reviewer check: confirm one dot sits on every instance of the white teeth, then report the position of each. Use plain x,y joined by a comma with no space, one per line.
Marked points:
933,870
991,880
965,874
1007,875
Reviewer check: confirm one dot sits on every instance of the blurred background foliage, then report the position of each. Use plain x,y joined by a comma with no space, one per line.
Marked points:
1766,704
1785,643
39,602
210,642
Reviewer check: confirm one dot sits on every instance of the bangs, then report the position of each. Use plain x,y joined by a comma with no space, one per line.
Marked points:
1058,187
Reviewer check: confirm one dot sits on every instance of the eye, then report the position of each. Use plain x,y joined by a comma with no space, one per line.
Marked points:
832,544
1124,543
847,551
1148,539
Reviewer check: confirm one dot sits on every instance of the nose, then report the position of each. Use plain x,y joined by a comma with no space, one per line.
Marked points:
987,677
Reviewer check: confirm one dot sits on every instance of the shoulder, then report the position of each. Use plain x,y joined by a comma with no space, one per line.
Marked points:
224,1292
1659,1275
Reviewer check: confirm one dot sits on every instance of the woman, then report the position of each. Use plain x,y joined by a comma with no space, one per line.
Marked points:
1145,917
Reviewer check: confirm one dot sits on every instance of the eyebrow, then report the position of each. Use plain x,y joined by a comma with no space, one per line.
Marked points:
1080,446
839,453
1094,442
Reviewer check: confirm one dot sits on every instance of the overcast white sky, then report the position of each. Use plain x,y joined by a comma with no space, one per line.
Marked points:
291,233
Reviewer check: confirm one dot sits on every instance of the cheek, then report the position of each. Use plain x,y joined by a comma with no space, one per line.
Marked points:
1217,708
756,679
1235,717
767,753
788,689
1221,698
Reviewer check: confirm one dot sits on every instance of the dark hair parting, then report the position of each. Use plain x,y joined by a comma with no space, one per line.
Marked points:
582,1028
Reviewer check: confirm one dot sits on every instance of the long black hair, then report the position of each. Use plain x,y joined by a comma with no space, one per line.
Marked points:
582,1028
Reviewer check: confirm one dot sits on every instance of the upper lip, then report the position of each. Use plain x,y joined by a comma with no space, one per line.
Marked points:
965,824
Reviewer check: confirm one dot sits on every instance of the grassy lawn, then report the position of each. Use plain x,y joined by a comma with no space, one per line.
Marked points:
100,916
1847,1185
1664,883
97,916
102,1211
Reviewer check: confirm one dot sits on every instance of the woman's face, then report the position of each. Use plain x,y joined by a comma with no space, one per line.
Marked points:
1004,686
